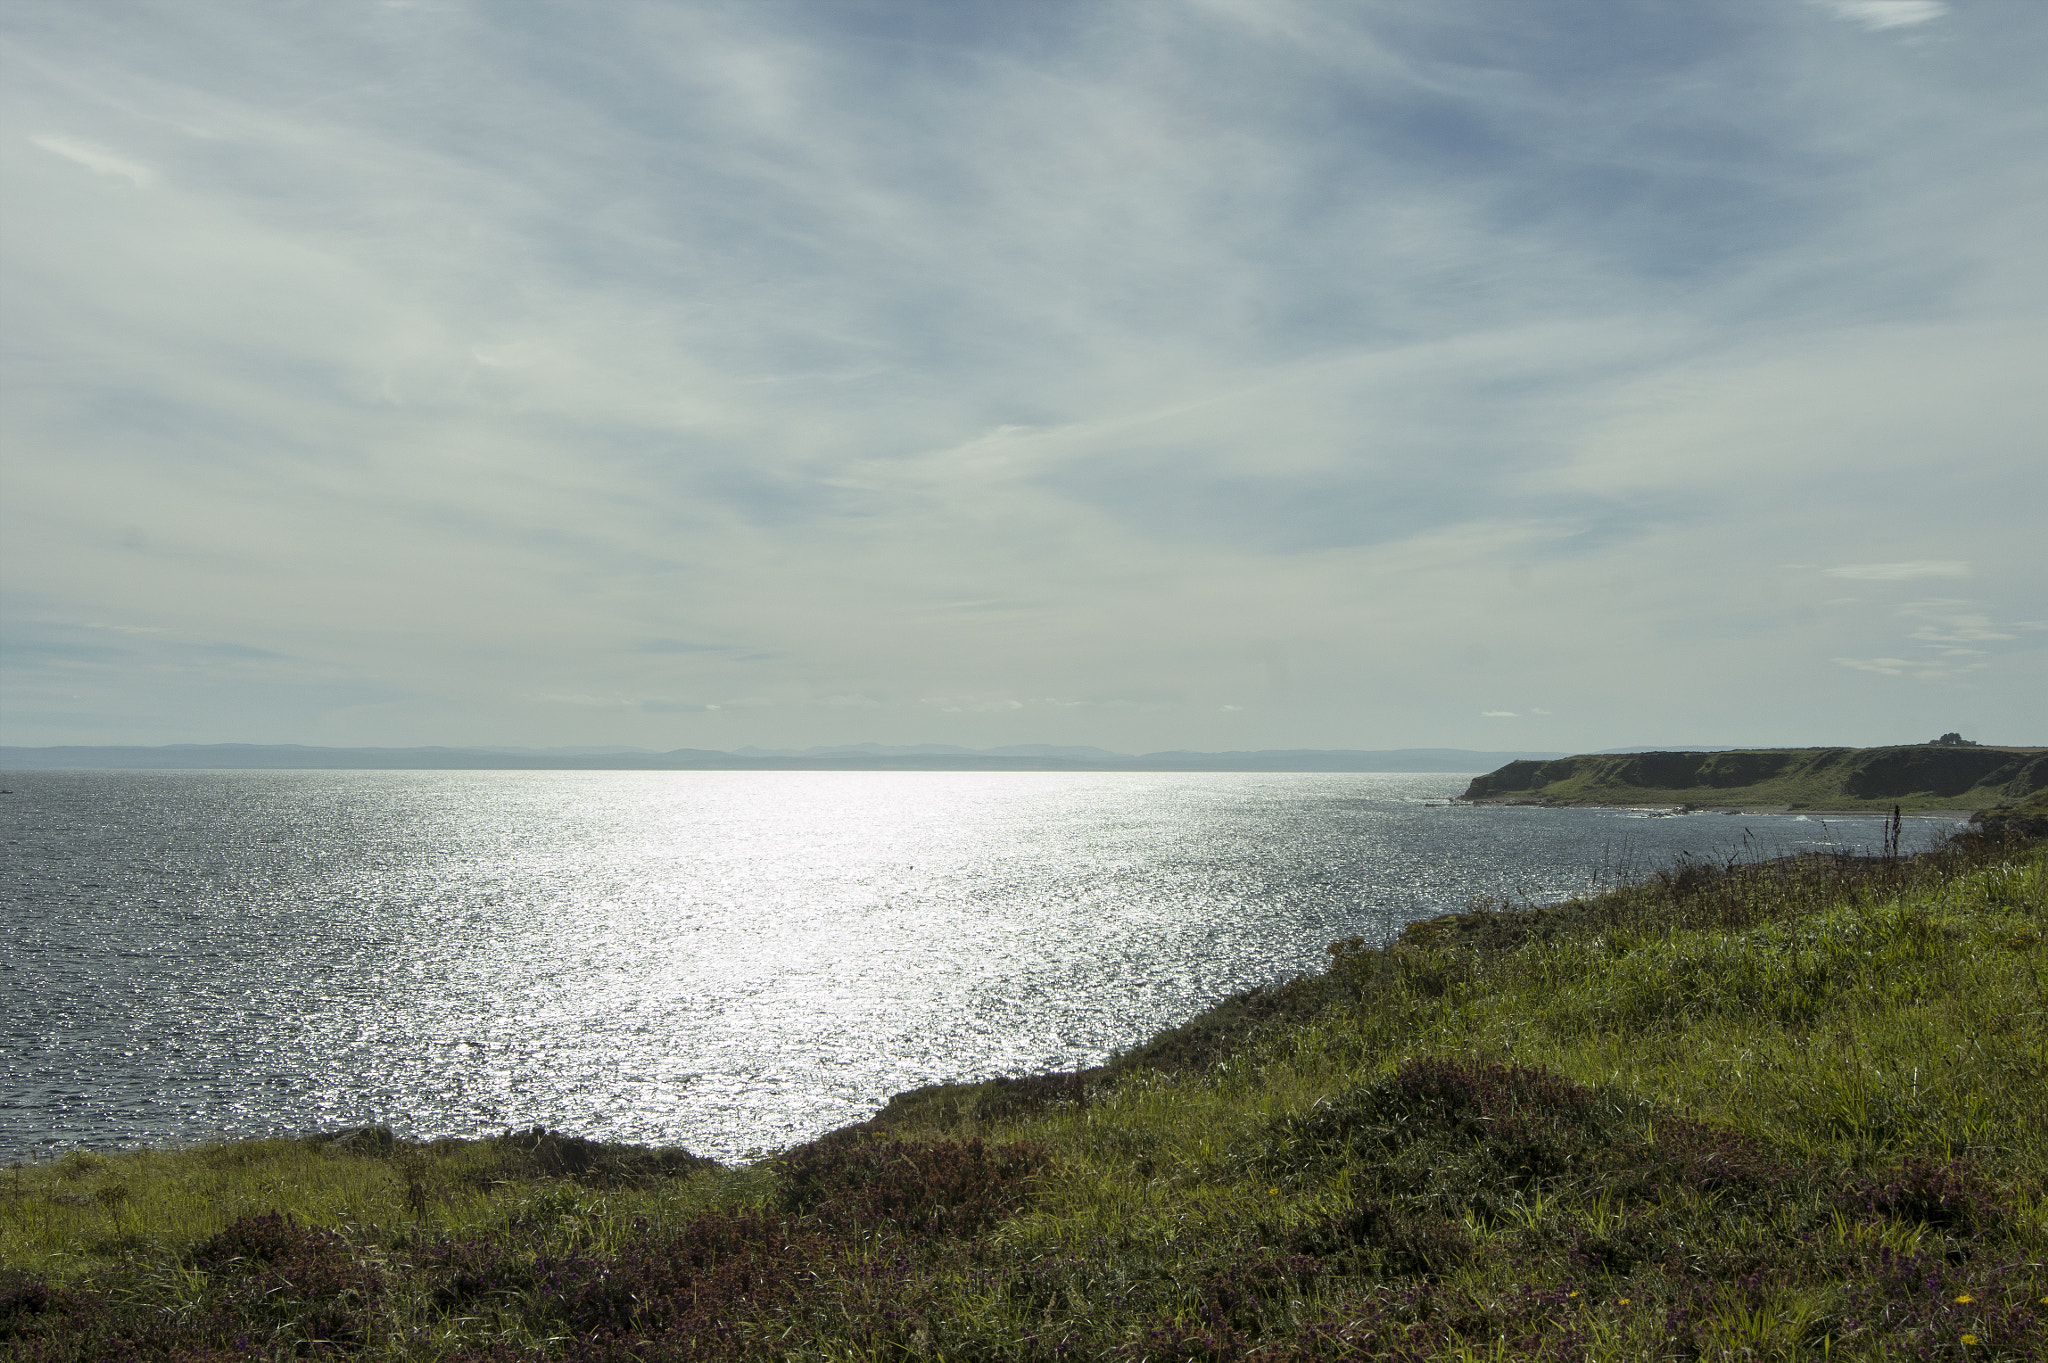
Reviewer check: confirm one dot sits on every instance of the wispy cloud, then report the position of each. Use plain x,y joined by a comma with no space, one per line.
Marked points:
974,706
1900,572
97,158
1890,667
1953,623
1147,375
679,646
1883,14
1952,633
1926,669
588,702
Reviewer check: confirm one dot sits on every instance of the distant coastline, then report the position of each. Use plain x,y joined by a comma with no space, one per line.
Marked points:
1919,778
861,757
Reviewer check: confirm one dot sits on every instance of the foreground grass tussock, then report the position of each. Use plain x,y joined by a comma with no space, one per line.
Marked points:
1788,1110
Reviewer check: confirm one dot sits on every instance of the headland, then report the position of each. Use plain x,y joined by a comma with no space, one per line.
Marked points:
1926,777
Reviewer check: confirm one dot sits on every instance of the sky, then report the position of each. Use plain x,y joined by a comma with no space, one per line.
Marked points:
1208,374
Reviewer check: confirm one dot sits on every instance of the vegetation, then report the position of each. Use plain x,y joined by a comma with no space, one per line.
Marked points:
1927,776
1781,1110
2023,818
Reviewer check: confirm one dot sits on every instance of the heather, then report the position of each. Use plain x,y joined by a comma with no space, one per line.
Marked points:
1774,1109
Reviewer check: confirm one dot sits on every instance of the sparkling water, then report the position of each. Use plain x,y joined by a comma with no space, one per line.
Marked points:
729,961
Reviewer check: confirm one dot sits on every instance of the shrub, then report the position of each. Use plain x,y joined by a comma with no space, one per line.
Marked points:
540,1153
934,1187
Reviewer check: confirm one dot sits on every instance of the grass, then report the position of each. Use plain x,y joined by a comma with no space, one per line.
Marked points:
1788,1110
2026,817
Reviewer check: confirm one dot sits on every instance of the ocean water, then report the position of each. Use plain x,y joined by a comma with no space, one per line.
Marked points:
730,961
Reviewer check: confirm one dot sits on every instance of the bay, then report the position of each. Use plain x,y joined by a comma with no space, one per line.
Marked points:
730,961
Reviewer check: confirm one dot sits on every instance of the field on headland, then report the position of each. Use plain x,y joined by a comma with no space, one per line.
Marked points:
1916,778
1789,1109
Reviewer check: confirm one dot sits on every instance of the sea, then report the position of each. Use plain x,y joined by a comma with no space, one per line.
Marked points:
727,961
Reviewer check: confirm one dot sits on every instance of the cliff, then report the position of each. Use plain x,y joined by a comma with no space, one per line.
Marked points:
1921,777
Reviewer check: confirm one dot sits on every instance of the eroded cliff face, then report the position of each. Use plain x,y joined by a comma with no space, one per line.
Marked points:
1924,774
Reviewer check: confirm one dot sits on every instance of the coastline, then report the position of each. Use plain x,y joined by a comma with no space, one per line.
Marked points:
1269,900
1501,1126
1933,778
1962,812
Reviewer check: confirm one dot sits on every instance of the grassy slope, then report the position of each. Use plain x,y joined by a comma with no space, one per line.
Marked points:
1798,1109
2022,818
1876,779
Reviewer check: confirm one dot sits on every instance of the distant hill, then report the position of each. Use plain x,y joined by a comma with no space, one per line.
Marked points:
945,750
860,757
1921,777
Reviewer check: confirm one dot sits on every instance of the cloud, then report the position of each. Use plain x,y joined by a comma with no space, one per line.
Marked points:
1953,634
679,646
97,158
507,373
1901,572
151,647
1498,714
958,706
1883,14
1951,622
1890,667
1922,668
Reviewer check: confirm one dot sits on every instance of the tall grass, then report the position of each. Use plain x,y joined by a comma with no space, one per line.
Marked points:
1780,1110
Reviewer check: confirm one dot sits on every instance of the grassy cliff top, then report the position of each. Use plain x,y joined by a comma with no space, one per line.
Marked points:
1794,1109
1920,777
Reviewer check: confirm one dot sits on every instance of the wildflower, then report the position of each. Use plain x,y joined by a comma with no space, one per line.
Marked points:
1969,1339
1966,1297
1624,1301
1571,1294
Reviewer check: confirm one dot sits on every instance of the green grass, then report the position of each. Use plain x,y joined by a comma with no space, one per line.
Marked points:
1791,1110
2025,817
